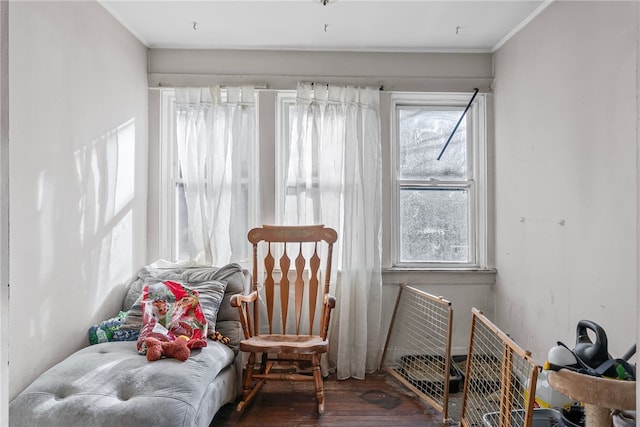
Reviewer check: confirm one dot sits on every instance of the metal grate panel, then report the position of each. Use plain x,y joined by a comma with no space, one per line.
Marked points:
500,379
418,347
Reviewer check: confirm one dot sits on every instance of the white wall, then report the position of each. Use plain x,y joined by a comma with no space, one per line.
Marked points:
566,175
637,189
4,212
78,144
455,72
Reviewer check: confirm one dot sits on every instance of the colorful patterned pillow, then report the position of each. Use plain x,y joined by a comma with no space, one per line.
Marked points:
170,310
211,294
109,330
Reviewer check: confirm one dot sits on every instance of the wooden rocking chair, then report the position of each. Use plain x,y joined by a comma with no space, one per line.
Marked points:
297,337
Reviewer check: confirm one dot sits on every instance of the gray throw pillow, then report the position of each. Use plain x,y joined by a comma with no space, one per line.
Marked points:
211,295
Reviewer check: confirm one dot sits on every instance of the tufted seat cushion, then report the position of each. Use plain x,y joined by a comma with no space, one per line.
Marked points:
110,384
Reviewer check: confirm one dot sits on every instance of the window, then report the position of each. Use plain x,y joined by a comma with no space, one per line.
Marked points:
222,173
286,114
289,118
438,205
172,212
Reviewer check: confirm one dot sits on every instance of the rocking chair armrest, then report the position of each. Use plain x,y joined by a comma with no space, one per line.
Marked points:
237,300
329,300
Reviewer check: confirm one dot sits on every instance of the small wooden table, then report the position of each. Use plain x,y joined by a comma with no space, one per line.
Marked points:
600,395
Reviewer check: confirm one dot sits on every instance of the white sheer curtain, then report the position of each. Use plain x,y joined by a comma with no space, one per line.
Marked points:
334,178
215,143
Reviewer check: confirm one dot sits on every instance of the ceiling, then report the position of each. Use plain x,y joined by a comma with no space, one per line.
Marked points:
352,25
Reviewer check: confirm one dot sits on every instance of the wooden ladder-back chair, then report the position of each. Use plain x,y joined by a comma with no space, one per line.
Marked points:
290,266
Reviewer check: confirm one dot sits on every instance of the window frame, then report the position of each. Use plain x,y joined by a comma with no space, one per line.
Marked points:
476,182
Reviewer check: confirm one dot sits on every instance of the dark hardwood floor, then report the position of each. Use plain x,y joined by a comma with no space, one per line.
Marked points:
379,400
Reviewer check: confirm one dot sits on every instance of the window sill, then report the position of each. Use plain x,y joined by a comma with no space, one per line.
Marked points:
393,276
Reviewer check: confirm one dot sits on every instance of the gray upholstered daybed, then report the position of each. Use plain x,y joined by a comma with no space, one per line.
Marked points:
110,384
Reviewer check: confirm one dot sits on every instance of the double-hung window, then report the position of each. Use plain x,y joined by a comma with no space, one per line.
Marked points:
173,242
285,192
438,193
299,204
224,191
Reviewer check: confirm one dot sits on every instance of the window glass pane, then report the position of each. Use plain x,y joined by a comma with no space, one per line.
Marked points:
434,225
423,132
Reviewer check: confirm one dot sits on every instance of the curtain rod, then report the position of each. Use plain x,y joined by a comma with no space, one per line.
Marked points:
170,86
381,87
256,86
